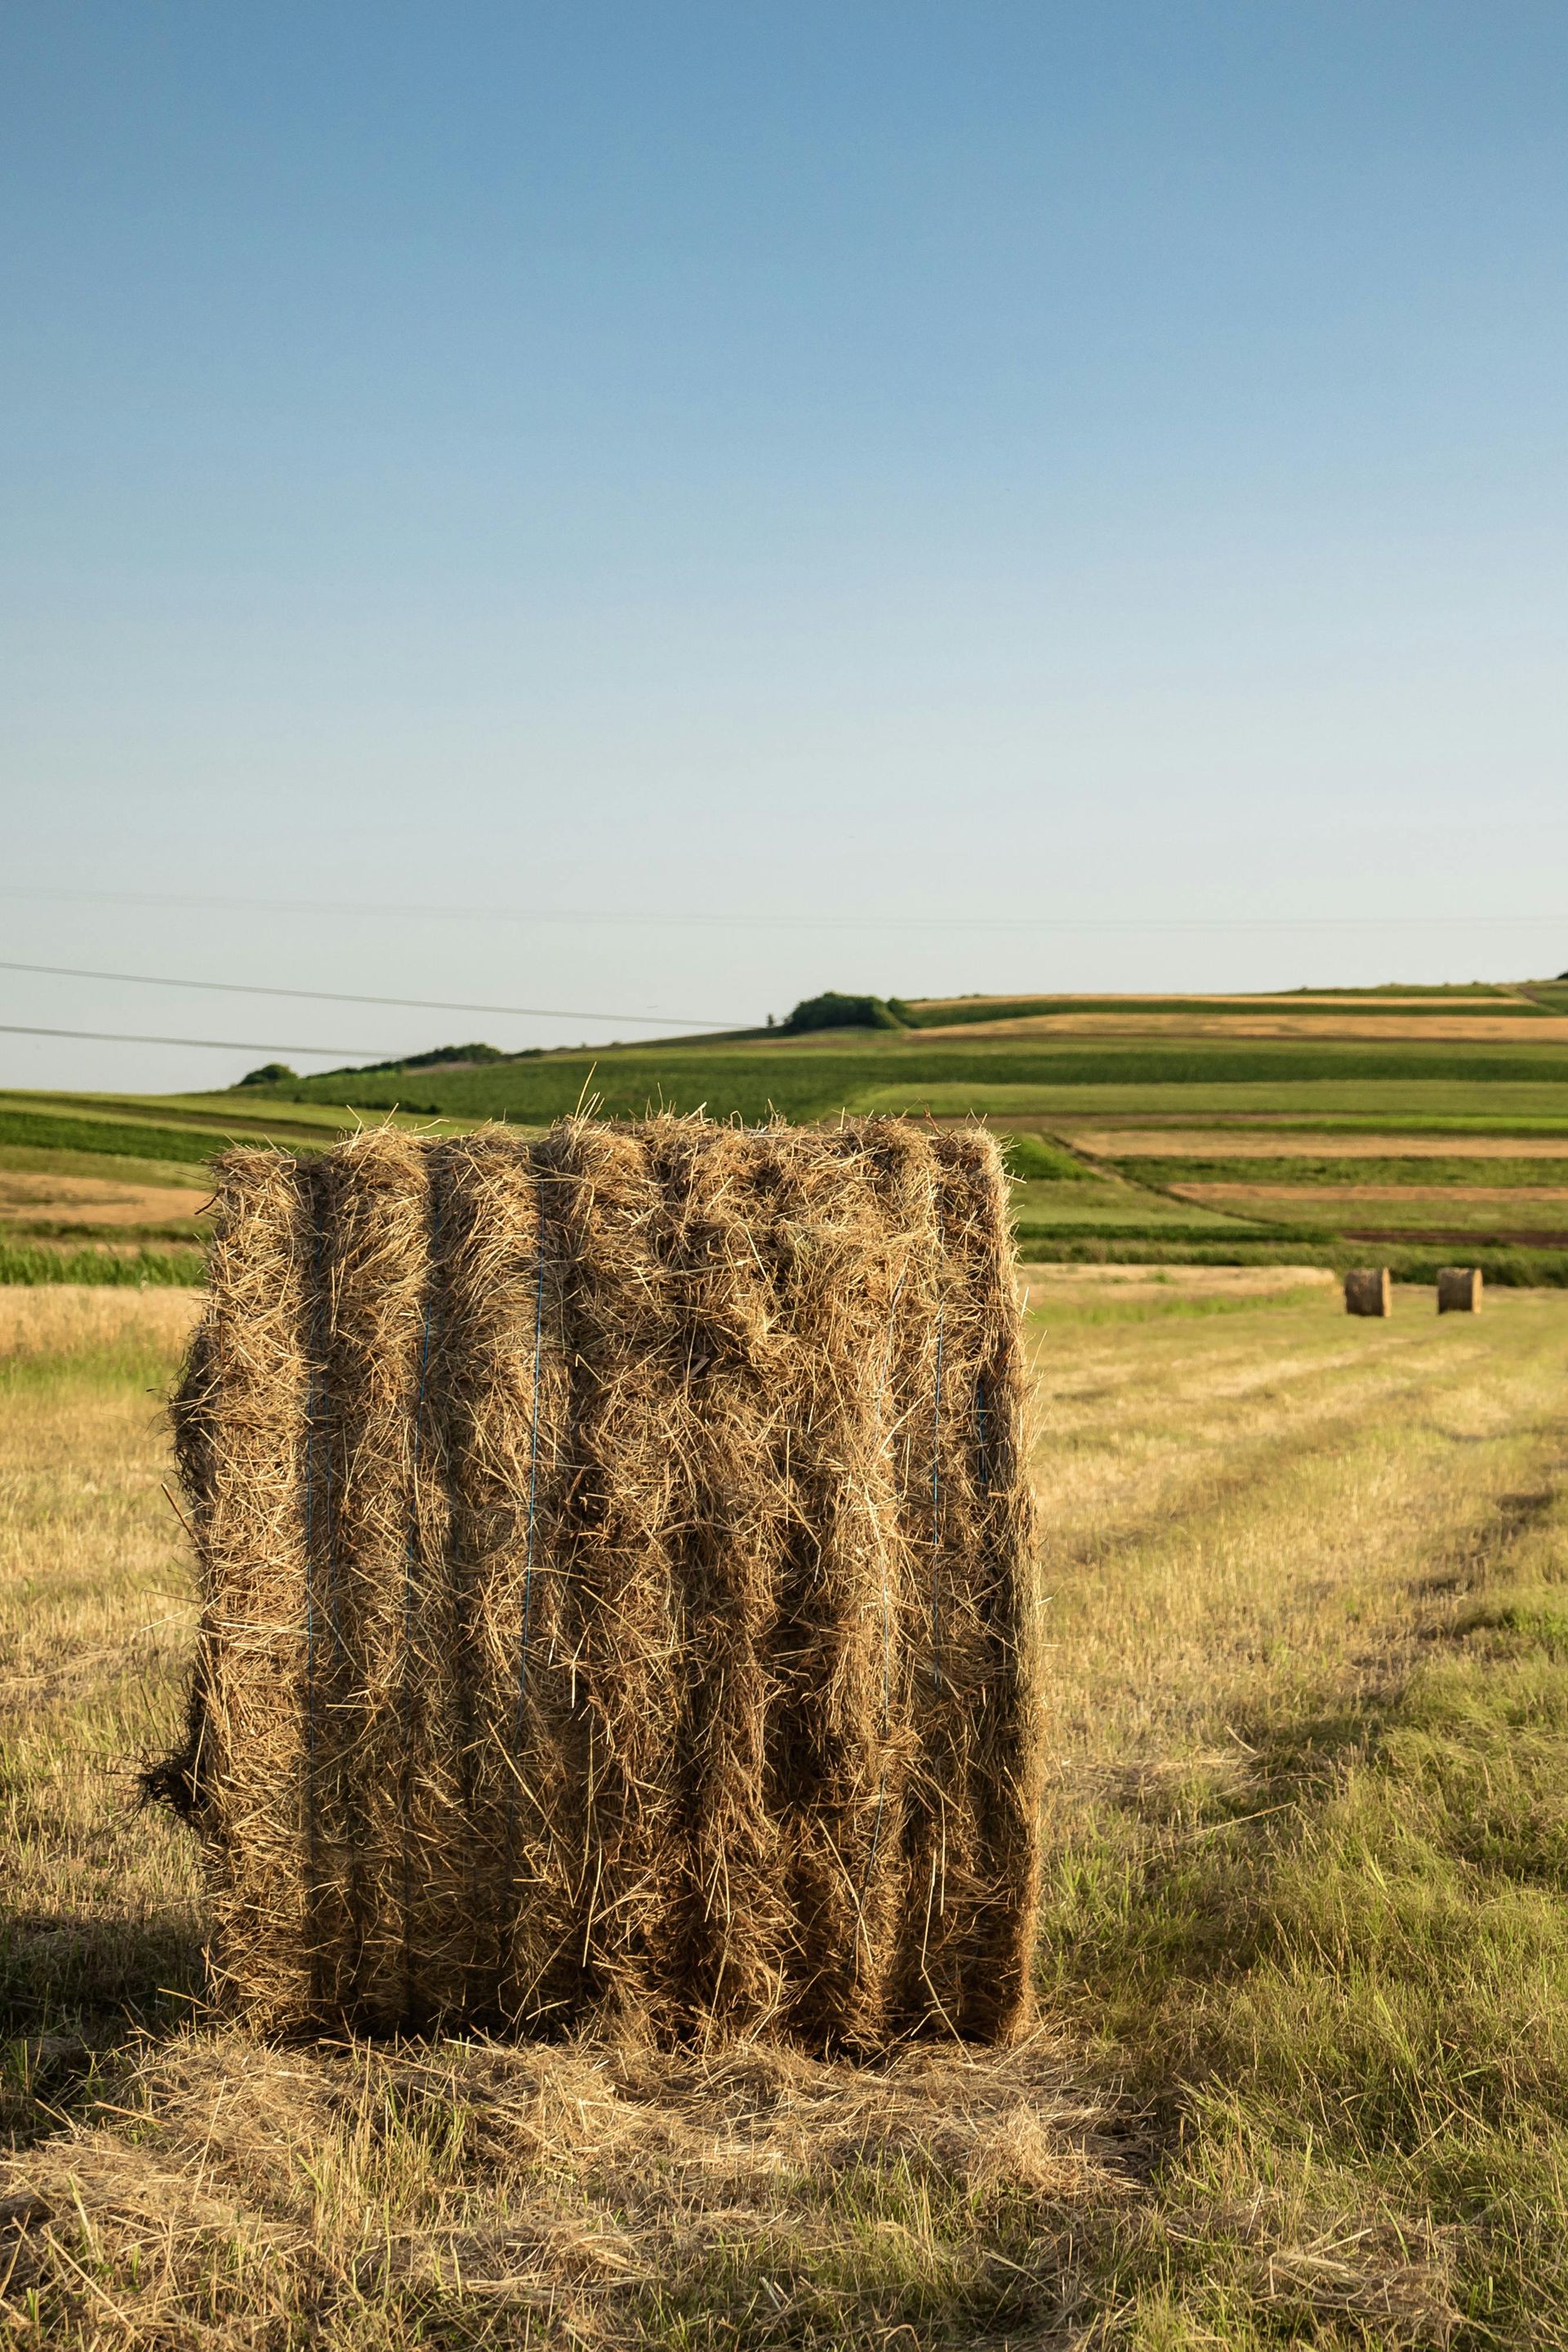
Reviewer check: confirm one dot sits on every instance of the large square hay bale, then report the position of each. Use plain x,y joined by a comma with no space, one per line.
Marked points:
616,1560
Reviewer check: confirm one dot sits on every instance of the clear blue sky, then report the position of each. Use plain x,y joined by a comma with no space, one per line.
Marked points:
746,500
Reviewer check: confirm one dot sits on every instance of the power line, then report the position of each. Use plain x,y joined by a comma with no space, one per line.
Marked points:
342,996
749,918
216,1044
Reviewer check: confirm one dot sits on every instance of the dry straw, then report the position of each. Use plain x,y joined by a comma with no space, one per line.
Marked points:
1369,1291
617,1555
1459,1290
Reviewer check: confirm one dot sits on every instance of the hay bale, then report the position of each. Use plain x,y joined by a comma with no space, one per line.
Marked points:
616,1555
1459,1290
1369,1291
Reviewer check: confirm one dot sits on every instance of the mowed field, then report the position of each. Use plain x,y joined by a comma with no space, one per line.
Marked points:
1302,2070
1404,1126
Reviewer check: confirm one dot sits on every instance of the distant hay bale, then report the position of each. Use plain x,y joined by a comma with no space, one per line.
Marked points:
1459,1290
1369,1291
616,1555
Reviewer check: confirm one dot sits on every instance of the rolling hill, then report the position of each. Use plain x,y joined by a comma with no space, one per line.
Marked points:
1325,1125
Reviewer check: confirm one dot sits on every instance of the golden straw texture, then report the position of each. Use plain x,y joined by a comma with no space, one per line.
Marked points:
618,1563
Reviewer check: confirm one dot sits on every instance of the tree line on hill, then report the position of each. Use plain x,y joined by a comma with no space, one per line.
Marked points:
831,1009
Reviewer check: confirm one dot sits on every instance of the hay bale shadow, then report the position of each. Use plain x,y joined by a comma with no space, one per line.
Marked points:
76,1989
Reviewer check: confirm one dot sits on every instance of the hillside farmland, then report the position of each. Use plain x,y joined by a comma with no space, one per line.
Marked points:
1323,1127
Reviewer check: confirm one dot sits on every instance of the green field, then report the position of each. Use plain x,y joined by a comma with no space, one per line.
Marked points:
1422,1171
1301,2073
815,1078
1045,1087
1477,1092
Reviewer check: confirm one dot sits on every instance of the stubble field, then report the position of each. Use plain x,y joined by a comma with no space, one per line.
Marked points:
1301,2068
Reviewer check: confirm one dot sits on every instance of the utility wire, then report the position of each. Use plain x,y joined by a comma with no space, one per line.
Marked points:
217,1044
342,996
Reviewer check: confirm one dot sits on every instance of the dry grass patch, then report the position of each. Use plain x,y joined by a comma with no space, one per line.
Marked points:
1305,1948
29,1201
96,1919
579,2194
1150,1285
98,1334
1432,1029
1236,1504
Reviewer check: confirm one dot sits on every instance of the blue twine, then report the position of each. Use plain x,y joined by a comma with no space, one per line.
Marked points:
316,1433
533,1484
334,1597
409,1579
887,1629
527,1562
313,1409
936,1484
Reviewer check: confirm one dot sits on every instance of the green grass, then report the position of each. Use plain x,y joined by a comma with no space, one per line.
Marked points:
1358,1972
808,1080
168,1129
49,1160
32,1263
117,1138
1510,1266
1440,1102
1036,1158
1173,1238
1442,987
238,1110
1322,1209
1039,1207
1410,1114
1319,1931
1425,1173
